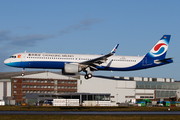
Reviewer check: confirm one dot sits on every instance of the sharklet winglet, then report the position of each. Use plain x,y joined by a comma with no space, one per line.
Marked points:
114,49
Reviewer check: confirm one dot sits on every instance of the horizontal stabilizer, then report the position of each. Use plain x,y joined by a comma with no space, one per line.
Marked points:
167,60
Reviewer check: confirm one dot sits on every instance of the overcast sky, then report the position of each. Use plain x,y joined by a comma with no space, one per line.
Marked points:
91,27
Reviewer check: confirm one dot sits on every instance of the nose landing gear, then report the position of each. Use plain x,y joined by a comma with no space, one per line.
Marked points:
23,72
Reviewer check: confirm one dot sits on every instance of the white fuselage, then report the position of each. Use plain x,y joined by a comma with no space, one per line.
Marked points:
57,61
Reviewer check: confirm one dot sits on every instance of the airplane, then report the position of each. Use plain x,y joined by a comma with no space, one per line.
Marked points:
75,63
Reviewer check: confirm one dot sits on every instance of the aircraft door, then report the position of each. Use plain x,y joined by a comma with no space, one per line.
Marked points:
23,59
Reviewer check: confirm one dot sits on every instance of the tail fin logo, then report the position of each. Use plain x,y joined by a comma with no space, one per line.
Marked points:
159,49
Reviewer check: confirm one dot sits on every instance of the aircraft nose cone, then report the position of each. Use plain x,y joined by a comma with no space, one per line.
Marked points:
6,61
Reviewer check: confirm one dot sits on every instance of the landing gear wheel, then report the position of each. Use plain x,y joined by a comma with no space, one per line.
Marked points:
89,75
22,74
86,76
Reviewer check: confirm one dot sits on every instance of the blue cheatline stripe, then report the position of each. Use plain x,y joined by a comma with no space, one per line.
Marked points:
38,64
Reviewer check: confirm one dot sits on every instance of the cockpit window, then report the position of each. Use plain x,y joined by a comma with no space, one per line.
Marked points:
12,57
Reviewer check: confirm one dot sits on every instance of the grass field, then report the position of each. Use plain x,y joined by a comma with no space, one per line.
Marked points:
51,108
89,117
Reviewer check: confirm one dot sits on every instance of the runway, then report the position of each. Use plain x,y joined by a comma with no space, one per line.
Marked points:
89,113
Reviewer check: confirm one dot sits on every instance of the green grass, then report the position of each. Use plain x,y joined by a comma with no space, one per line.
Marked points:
51,108
89,117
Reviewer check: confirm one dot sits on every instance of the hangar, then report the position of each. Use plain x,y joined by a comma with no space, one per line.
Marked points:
127,89
119,89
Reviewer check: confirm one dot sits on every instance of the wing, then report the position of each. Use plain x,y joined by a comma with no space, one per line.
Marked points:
97,61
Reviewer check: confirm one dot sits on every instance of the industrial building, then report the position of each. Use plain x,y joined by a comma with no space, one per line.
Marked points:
127,89
6,85
49,85
45,82
81,97
5,88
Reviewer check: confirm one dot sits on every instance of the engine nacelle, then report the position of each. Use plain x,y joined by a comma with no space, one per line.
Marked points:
72,68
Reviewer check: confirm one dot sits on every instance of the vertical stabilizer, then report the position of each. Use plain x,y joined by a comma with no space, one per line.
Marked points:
160,49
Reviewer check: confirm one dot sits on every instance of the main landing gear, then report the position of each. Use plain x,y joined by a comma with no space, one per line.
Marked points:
88,73
88,76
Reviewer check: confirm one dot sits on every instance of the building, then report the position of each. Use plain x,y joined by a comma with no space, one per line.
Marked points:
45,82
126,89
56,85
5,88
41,97
5,85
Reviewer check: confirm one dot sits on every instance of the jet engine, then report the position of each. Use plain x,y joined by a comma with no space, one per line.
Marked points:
72,68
